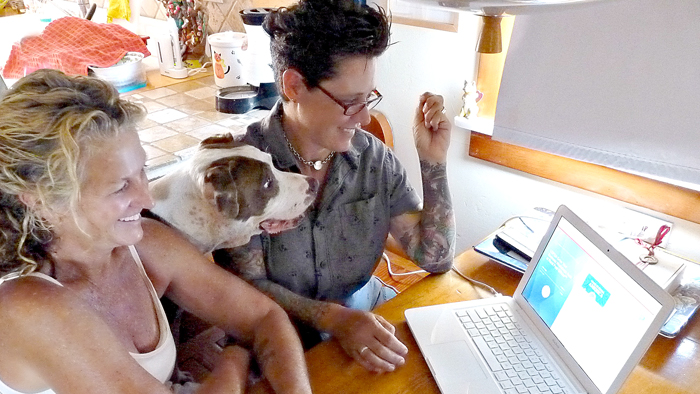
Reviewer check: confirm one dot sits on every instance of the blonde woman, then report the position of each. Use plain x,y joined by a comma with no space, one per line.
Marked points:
82,272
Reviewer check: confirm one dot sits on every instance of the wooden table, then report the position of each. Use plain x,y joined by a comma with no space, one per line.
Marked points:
670,366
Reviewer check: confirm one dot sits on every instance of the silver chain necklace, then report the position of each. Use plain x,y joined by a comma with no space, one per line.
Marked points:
316,165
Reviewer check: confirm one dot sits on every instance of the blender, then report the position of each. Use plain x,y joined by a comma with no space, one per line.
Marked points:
258,88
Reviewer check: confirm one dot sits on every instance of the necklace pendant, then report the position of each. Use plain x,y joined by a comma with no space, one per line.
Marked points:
318,165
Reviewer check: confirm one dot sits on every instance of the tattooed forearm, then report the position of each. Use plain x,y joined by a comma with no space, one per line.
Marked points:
248,263
433,248
245,261
301,308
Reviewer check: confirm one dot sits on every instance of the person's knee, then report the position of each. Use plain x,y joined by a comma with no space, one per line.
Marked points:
371,295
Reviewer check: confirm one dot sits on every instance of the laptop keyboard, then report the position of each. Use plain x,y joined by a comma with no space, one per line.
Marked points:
519,367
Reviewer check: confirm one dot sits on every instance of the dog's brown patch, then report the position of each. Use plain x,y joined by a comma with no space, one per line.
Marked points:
160,191
242,186
222,141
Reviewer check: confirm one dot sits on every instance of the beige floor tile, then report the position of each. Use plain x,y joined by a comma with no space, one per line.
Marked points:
195,106
152,106
156,133
183,87
175,100
158,93
207,131
128,95
214,116
146,124
166,158
185,125
152,152
176,143
206,92
166,115
180,116
207,81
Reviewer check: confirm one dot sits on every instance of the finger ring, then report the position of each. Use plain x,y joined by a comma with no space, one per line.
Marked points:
363,350
443,110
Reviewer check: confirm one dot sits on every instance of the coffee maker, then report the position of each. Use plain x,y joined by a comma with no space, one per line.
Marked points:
256,84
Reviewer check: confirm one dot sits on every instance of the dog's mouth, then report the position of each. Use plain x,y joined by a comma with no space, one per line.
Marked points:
274,226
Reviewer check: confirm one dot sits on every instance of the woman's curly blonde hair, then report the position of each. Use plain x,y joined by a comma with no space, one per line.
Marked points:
46,119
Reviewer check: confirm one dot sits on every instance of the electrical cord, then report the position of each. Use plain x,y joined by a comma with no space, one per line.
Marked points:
521,217
195,71
392,274
476,282
387,285
473,281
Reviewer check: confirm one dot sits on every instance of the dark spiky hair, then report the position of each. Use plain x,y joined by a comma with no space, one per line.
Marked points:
312,36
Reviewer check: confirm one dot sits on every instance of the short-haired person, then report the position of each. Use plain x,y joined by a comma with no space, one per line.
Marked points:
81,273
324,56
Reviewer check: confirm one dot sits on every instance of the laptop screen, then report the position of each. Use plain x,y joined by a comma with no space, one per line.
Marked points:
596,311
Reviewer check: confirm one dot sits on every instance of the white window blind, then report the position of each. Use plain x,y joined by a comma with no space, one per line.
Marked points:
615,83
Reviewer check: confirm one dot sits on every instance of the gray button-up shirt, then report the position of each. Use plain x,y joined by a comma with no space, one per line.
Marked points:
333,252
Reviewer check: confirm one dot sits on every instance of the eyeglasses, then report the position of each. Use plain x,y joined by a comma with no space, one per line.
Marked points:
349,110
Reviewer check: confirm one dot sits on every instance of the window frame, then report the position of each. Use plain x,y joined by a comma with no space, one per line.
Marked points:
652,194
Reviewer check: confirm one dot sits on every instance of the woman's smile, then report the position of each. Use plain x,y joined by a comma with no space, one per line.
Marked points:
131,218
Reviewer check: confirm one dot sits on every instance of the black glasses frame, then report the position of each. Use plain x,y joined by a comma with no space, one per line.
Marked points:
352,109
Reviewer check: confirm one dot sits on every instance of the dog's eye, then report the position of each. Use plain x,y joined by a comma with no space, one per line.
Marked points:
267,184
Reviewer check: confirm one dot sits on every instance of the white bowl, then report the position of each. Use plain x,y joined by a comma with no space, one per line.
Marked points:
127,74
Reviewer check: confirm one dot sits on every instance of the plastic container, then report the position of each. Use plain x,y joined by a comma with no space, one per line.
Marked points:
258,61
227,57
128,74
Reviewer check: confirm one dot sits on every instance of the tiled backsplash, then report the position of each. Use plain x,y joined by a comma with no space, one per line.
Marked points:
179,117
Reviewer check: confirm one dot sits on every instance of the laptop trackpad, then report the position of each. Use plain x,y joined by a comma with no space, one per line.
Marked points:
454,365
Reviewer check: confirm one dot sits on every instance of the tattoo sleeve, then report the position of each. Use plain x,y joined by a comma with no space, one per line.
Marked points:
248,263
431,244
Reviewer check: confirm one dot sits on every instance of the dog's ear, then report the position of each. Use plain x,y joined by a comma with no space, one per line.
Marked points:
222,141
220,189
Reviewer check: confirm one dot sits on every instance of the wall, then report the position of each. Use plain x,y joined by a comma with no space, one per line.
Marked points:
484,194
222,16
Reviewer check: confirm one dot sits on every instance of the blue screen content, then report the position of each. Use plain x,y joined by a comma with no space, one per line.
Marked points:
592,306
553,279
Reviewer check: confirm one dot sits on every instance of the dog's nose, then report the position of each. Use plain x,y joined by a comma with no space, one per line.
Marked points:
313,186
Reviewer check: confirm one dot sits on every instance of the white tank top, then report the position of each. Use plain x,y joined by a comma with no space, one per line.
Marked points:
159,362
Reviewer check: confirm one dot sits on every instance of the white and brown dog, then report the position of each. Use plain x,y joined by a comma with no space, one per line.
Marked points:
229,191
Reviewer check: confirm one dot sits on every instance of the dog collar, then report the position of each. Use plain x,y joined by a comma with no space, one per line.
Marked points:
316,165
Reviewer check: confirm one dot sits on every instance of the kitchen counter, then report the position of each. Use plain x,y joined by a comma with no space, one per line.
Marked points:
181,113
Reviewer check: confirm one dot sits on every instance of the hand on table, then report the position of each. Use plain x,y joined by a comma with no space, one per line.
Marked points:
431,129
370,340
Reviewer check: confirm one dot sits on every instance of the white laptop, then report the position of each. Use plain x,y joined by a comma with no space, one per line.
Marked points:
579,322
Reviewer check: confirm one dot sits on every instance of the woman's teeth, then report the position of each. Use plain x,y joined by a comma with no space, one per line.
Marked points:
131,218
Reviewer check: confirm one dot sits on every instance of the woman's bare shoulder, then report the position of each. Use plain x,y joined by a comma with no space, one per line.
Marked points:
43,325
34,310
30,297
160,236
164,252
